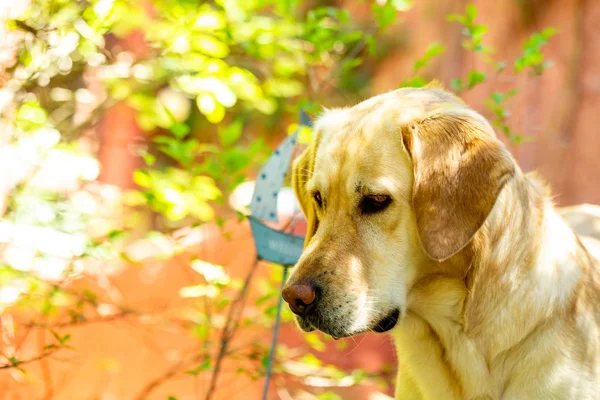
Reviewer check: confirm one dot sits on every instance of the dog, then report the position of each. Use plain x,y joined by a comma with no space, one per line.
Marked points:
422,225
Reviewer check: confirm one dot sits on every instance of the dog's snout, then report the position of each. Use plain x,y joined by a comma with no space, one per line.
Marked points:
301,296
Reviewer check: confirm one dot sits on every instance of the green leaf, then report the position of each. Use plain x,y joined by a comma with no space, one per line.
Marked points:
371,45
532,55
329,396
65,339
149,159
142,178
497,97
417,81
311,360
471,12
116,235
477,31
385,14
213,110
358,375
433,50
205,366
31,115
549,32
456,84
350,64
475,77
230,134
210,45
179,129
314,341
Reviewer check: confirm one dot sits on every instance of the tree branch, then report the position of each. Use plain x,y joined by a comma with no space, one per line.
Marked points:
17,363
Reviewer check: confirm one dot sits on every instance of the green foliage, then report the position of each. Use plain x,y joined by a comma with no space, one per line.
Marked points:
532,56
474,78
473,32
329,396
205,366
416,81
496,104
314,341
208,84
434,49
384,14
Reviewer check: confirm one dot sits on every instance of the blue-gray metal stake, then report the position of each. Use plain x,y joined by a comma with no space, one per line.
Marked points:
275,333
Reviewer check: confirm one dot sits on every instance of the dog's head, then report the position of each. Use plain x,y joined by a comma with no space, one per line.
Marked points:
389,185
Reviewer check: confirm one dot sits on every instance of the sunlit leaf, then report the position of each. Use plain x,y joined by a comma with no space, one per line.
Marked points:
205,366
209,20
311,359
210,45
230,134
433,50
414,82
385,14
282,87
314,341
141,178
31,115
199,291
474,78
179,129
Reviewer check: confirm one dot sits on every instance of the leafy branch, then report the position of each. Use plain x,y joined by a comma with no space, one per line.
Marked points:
531,59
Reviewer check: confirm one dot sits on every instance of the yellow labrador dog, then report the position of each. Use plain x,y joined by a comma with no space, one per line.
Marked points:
422,225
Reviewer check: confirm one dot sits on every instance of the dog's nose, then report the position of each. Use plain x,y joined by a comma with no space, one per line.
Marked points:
300,296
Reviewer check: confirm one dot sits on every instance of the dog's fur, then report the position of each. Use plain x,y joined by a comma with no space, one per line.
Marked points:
498,298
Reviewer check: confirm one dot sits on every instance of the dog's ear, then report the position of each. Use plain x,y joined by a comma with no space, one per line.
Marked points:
459,169
302,170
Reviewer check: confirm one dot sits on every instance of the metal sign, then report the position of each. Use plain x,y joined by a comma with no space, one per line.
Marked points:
273,245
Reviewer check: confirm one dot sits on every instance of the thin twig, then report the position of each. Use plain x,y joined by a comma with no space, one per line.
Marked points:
45,367
231,325
172,371
351,55
108,318
18,364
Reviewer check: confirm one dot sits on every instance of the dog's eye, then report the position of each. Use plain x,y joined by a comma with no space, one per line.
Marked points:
374,203
318,199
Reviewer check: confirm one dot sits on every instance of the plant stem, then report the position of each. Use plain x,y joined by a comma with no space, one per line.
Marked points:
231,325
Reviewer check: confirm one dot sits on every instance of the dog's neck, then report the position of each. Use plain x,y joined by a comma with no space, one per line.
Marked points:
517,272
521,269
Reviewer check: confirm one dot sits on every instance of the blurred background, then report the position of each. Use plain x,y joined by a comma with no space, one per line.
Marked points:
130,135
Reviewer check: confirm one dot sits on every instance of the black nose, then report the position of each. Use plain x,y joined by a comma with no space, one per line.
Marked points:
301,296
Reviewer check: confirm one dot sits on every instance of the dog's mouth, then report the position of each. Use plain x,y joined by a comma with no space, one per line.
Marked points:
385,324
308,324
388,322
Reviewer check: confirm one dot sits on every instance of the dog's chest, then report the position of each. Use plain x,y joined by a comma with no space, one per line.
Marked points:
445,364
440,364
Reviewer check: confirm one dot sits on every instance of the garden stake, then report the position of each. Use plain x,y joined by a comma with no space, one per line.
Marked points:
274,245
275,333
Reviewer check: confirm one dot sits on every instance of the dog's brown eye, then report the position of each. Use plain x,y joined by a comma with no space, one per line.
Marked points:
318,199
374,203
